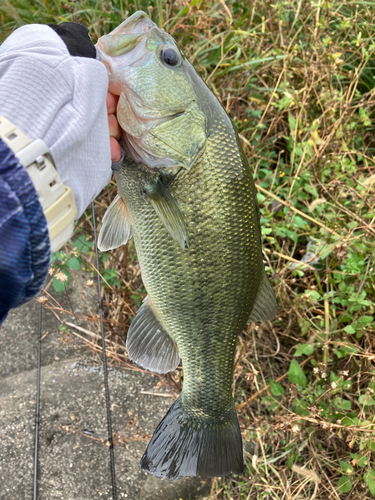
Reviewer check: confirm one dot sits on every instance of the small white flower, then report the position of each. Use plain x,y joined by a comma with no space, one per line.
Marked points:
333,385
42,300
61,276
295,428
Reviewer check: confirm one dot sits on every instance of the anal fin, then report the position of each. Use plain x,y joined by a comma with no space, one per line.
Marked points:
116,229
265,306
149,345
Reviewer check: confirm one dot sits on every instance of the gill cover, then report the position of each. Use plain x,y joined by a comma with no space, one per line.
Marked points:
158,111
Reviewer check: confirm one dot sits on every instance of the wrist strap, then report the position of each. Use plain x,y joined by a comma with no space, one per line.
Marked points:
56,199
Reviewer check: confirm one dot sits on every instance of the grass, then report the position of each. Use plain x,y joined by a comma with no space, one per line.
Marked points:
297,79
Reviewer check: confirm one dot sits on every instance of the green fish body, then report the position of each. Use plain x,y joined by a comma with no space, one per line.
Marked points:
196,227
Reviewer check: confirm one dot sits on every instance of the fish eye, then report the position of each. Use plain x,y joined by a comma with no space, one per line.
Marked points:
169,56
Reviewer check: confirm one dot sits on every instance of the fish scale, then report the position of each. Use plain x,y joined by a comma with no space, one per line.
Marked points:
197,235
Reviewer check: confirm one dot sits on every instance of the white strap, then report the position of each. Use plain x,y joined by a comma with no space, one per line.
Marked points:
56,199
29,154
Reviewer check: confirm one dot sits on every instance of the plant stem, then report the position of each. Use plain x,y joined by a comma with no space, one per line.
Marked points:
326,319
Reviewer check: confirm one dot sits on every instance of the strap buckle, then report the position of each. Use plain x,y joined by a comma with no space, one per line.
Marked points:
56,199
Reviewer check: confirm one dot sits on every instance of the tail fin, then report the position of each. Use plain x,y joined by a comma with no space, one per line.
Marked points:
184,445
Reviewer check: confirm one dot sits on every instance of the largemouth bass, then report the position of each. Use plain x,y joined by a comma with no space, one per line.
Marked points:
187,196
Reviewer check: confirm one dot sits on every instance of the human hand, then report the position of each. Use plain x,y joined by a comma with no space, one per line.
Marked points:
114,127
55,90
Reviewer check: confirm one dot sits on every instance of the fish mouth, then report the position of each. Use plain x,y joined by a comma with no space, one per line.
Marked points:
133,31
124,38
137,23
132,41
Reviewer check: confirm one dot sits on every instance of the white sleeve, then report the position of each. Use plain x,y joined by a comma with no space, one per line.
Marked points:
51,95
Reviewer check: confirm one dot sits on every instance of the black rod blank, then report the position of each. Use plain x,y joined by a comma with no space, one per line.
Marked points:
109,420
37,403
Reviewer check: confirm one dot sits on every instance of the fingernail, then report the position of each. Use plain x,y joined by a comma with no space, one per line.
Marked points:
116,165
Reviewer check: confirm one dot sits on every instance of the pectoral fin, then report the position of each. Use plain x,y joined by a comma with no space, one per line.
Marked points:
149,345
116,229
265,307
167,209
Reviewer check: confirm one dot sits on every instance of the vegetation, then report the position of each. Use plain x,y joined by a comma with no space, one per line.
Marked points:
297,78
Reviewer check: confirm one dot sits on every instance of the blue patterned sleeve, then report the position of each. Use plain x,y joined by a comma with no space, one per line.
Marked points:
24,241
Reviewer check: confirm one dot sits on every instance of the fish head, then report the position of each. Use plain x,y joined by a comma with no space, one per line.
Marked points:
158,110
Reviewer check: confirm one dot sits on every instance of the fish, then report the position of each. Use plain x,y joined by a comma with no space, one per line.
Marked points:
187,196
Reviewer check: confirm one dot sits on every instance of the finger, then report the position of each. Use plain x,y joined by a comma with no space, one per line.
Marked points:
115,150
114,127
111,103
